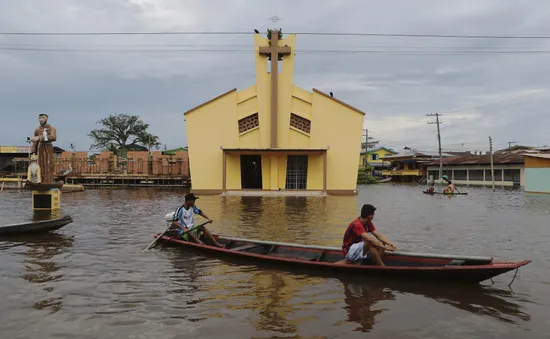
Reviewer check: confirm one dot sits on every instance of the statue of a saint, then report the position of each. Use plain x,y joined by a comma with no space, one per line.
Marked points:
43,147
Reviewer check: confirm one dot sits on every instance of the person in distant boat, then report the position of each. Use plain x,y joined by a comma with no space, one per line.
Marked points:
450,186
185,221
361,240
431,188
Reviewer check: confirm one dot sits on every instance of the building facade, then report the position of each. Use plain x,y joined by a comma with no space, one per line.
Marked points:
410,166
537,173
475,169
274,135
374,157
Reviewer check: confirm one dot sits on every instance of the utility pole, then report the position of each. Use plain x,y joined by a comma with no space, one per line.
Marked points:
439,142
367,143
492,167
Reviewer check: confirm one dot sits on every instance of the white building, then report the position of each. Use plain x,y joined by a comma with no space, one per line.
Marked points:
475,169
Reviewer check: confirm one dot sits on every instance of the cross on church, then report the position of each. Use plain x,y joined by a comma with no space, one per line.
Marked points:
274,52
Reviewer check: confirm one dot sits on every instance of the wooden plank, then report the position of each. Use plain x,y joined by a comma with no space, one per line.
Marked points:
245,247
295,256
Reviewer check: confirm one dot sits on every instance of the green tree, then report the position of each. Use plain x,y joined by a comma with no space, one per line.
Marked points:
122,132
364,176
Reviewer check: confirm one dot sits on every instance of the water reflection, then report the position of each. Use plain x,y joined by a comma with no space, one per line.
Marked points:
38,215
41,267
361,298
311,220
270,291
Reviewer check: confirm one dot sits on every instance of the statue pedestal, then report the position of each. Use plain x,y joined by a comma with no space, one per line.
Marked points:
46,200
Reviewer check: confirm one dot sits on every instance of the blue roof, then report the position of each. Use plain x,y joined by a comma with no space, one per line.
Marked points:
379,148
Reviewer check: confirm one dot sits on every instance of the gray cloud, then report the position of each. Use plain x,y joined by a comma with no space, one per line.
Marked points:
79,87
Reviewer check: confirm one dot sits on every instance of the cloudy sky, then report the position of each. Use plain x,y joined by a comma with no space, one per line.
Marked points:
496,87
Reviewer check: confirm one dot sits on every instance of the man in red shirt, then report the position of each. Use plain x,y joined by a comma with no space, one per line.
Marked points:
361,239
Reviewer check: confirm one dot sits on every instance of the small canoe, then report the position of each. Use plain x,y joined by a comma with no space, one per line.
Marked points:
438,267
35,226
455,193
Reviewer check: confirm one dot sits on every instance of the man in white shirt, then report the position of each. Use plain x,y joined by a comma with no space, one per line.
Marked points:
185,216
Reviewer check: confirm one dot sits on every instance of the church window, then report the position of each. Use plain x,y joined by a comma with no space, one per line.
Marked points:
300,123
248,123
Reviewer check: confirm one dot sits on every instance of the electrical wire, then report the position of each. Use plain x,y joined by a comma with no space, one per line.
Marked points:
356,34
248,51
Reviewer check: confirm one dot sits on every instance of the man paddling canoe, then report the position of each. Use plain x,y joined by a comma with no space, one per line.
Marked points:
362,241
184,219
450,186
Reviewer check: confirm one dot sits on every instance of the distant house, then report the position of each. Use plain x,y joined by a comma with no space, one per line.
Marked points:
475,168
10,156
411,165
374,157
537,173
175,150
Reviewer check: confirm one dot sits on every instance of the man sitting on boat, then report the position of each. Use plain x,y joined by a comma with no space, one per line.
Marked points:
185,221
362,241
450,186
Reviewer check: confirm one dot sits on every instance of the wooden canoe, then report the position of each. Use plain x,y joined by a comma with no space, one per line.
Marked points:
35,226
455,193
466,269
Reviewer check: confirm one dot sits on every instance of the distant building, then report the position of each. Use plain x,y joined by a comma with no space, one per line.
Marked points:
13,156
475,169
537,173
411,165
274,135
373,157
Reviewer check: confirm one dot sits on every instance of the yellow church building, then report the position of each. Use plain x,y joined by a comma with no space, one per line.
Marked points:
274,135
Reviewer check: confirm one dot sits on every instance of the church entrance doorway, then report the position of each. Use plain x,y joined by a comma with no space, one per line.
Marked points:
251,171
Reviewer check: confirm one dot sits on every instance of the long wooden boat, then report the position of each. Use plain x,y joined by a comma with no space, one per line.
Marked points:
35,226
454,193
467,269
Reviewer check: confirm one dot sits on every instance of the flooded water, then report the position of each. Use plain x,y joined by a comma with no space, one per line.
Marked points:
91,279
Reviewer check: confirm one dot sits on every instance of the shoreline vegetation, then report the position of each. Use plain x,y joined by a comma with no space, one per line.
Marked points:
364,176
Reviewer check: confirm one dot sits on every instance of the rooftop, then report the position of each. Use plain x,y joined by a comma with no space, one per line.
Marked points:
540,155
376,149
420,155
24,149
483,159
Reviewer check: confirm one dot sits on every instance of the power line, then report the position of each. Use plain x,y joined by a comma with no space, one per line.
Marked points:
122,33
455,36
251,46
247,51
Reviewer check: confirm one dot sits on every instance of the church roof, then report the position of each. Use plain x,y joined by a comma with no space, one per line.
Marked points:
314,90
209,101
338,101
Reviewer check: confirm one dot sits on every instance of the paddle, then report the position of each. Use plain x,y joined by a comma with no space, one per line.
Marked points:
157,238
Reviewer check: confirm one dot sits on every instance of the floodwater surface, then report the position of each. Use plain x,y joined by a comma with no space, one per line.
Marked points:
91,279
